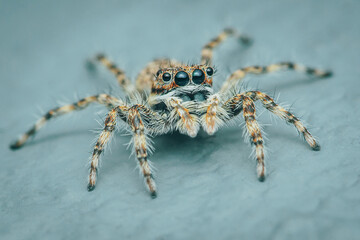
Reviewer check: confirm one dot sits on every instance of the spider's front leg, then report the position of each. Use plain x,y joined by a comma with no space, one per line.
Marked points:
103,139
133,117
244,103
141,147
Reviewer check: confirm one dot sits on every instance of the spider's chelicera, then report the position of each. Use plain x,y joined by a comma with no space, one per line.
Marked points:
181,97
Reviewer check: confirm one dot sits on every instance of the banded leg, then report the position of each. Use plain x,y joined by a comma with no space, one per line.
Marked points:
104,99
104,138
141,148
237,76
207,51
270,105
147,76
254,132
123,81
188,123
234,106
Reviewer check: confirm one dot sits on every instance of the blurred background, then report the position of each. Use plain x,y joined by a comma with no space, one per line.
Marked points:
207,185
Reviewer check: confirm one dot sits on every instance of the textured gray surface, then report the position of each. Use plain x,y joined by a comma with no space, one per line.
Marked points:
207,186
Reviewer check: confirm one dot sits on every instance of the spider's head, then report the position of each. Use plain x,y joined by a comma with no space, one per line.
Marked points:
190,83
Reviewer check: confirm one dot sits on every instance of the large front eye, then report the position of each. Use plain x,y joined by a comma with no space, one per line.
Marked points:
181,78
198,76
209,71
166,77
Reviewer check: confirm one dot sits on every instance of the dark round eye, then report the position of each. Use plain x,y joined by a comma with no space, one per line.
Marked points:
198,76
166,77
158,73
209,71
181,78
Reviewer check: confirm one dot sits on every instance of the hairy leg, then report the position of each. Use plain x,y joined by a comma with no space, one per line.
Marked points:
253,130
133,116
237,76
141,148
123,81
104,99
207,51
233,107
104,138
279,111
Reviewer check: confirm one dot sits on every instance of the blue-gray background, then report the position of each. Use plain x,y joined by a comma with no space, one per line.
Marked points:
207,186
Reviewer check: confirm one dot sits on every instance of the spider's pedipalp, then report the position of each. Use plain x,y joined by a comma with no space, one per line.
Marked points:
215,115
184,120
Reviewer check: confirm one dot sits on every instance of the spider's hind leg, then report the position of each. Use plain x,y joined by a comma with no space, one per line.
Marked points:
207,51
120,75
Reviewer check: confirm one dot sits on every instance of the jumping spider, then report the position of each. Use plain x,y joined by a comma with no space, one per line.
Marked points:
180,97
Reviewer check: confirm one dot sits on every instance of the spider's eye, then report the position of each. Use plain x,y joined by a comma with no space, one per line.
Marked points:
158,73
166,77
209,71
181,78
198,76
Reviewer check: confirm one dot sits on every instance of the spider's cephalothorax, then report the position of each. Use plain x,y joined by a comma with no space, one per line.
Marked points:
188,83
180,97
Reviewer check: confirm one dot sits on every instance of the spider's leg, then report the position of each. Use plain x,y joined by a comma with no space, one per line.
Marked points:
254,132
131,115
182,116
103,139
147,76
243,103
237,76
270,105
207,51
104,99
122,80
141,147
